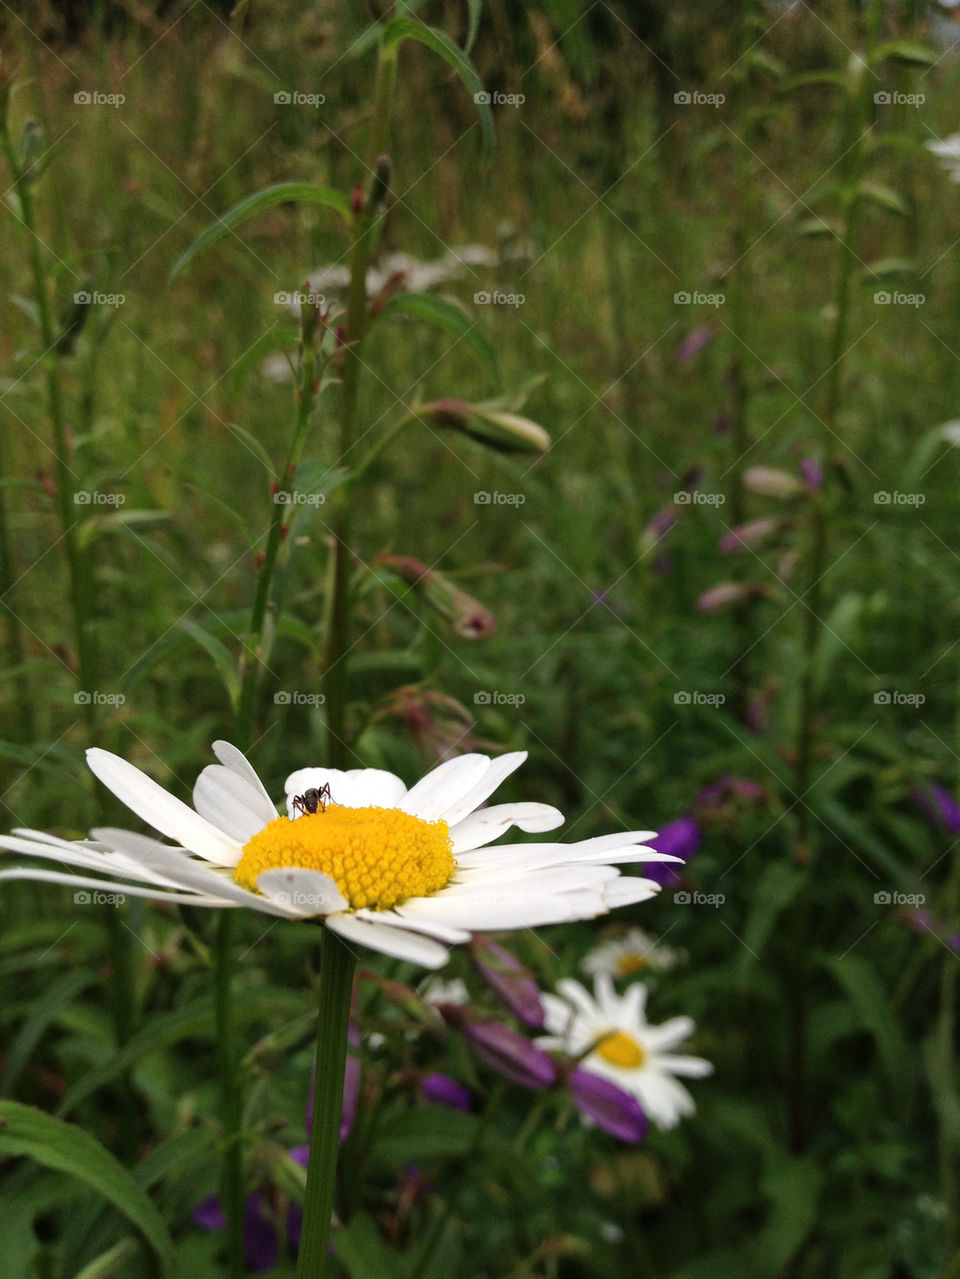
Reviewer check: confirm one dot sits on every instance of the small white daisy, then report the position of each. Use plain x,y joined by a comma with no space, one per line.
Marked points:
611,1036
629,954
402,871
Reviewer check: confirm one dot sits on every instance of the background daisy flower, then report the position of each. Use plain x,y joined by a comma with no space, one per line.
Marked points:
627,955
611,1036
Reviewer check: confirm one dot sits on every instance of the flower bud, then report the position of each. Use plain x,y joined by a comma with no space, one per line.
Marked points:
612,1109
746,535
511,1053
727,593
770,482
509,979
441,1090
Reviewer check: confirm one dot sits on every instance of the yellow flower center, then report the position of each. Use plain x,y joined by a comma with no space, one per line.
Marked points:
620,1049
376,856
631,963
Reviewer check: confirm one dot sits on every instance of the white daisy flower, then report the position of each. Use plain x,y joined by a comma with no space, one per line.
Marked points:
627,955
405,872
611,1036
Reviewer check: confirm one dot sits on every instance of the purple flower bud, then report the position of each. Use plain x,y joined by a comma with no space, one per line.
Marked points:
614,1110
209,1213
692,345
660,525
939,806
260,1247
509,979
746,535
726,593
441,1090
680,839
510,1053
811,472
771,482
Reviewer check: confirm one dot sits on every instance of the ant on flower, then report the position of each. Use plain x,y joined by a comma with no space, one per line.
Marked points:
313,800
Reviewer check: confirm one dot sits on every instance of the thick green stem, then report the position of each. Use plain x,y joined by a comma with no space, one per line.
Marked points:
335,988
231,1097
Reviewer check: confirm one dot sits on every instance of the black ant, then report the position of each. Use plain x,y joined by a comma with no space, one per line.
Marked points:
313,800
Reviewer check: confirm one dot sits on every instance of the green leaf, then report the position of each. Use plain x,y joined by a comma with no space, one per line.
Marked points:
256,203
793,1185
778,885
43,1011
364,1252
872,1005
218,651
451,320
254,445
427,1132
106,1265
400,29
24,1130
885,196
475,8
905,51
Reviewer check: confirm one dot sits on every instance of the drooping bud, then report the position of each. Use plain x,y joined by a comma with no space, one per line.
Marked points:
441,1090
511,1053
615,1111
466,615
746,535
727,593
500,430
511,980
771,482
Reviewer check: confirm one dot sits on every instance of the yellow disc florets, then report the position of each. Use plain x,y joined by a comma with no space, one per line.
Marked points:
377,857
620,1049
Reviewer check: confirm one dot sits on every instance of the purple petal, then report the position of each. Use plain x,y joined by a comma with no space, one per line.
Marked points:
441,1090
259,1235
509,979
680,839
939,806
510,1053
614,1110
811,472
692,345
209,1213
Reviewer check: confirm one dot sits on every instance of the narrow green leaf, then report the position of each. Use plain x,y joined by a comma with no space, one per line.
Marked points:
400,29
106,1266
361,1248
778,885
905,51
474,8
452,321
43,1011
24,1130
256,203
218,651
254,445
872,1005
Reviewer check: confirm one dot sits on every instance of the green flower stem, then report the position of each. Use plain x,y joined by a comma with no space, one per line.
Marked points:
231,1095
335,988
368,227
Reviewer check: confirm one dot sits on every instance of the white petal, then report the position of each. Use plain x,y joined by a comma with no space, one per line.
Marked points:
493,911
670,1033
484,786
579,998
487,824
353,788
82,854
302,892
627,890
692,1067
398,919
145,797
232,797
441,789
104,885
389,941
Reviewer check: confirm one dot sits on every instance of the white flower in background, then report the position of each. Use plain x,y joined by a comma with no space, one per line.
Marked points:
402,871
630,954
948,152
436,991
611,1036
